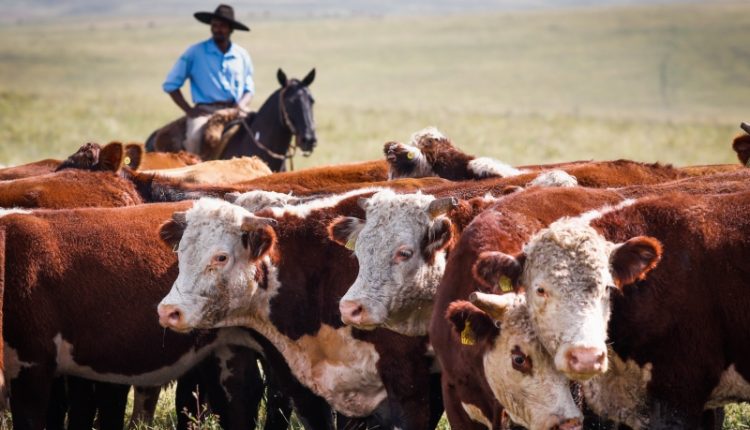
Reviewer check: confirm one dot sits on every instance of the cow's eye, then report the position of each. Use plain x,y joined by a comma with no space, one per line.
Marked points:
541,292
220,259
520,361
403,254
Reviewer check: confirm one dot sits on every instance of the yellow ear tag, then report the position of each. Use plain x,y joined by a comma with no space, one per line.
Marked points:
350,244
505,285
467,336
127,161
410,155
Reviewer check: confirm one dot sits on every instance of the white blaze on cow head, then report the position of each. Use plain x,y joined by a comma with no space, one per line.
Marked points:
220,250
518,369
401,252
567,271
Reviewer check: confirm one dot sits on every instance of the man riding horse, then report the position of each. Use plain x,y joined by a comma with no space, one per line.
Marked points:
220,73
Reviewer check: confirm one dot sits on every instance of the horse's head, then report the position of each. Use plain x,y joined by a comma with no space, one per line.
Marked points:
296,107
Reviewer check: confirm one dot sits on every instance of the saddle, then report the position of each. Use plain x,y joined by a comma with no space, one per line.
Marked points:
215,134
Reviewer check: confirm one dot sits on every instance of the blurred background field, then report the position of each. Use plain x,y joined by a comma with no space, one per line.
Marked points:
525,82
666,82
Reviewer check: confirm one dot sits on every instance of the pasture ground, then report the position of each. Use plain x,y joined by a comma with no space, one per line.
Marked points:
666,83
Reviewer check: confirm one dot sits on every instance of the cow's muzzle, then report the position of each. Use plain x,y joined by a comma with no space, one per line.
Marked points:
170,316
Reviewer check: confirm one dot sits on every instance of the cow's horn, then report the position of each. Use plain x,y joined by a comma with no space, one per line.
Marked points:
440,206
252,222
493,304
745,126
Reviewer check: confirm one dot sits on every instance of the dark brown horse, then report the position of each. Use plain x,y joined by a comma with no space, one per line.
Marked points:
268,133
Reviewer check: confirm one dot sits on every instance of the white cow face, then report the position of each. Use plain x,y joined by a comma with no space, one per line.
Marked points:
518,369
401,252
220,253
568,271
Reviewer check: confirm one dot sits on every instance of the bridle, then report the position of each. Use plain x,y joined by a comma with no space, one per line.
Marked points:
286,121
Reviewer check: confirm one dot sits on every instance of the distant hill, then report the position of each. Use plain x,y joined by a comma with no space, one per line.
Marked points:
34,10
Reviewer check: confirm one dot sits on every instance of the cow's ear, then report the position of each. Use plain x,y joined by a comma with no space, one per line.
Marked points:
344,230
171,231
471,324
258,235
498,272
631,261
133,155
437,238
741,146
110,157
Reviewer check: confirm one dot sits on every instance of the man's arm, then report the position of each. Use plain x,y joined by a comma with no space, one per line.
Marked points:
180,101
244,102
174,81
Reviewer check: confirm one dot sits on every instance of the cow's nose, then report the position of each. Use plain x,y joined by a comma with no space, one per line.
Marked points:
353,312
170,316
586,360
566,424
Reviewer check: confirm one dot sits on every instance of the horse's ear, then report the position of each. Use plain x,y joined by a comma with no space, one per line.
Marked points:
281,76
309,78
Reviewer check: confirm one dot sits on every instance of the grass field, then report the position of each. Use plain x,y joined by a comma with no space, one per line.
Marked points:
664,83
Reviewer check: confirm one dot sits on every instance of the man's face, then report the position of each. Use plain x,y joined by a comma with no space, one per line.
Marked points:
220,30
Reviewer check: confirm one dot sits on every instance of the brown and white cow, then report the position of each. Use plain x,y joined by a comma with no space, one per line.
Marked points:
282,277
518,369
741,145
301,182
137,158
401,245
399,293
231,171
90,156
646,302
80,287
430,153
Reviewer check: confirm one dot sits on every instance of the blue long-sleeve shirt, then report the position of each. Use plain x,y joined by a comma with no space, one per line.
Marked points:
214,76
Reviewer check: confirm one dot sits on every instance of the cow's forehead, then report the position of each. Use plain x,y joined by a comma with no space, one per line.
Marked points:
391,213
569,251
211,219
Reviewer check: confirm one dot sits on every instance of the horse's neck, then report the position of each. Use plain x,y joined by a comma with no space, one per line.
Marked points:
268,126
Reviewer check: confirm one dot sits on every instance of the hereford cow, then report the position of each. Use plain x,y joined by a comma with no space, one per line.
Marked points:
397,292
90,156
231,171
741,145
139,159
518,369
430,153
402,243
305,181
97,322
672,347
282,277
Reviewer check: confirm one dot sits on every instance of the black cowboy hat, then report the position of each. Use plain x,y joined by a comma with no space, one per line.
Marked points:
223,12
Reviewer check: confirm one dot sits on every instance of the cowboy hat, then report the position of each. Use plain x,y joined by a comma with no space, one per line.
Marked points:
223,12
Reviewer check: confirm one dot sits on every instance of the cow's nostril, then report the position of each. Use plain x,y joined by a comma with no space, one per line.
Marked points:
356,311
175,316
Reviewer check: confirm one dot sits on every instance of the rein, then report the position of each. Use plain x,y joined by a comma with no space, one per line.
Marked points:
285,120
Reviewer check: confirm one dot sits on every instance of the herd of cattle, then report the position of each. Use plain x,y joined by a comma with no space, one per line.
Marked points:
589,294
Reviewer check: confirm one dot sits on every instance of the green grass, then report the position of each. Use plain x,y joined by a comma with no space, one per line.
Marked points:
667,83
658,83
